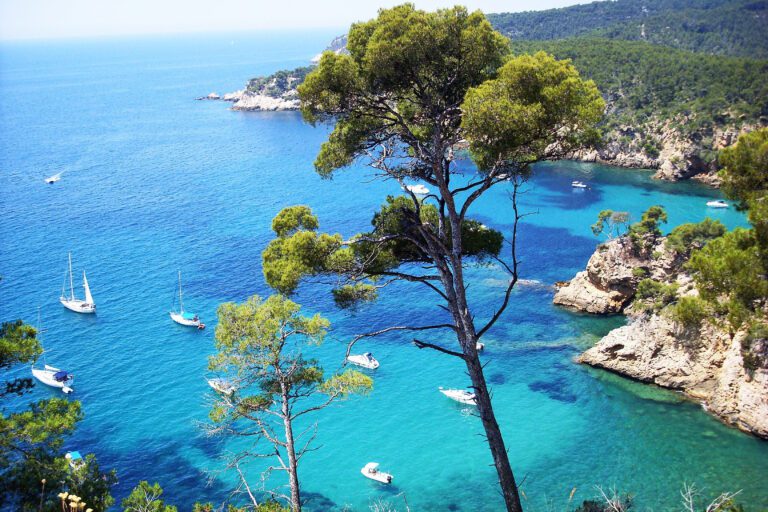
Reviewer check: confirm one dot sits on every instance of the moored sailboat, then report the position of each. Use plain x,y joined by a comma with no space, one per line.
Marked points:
185,317
72,303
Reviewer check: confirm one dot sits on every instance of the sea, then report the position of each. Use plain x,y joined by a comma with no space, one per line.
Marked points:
154,182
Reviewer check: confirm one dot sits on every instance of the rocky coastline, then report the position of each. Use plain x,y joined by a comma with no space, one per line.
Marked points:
705,364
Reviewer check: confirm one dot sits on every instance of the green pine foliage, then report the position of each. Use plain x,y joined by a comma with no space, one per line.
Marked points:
721,27
644,82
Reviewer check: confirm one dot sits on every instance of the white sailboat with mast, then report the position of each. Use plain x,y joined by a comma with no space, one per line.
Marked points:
185,317
50,375
72,303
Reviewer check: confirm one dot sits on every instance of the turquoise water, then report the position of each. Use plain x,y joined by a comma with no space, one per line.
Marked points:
154,182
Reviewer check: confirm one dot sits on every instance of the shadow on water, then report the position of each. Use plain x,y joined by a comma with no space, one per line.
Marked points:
556,389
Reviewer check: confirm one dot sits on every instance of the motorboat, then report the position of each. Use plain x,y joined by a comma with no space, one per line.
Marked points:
75,460
578,184
185,317
365,360
479,346
222,386
460,395
54,377
72,303
53,179
419,189
719,203
371,470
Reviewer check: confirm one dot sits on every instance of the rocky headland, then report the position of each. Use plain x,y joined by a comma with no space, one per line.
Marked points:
706,364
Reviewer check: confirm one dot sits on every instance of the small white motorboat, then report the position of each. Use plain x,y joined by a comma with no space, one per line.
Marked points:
222,386
371,470
717,204
53,179
54,377
365,360
76,461
578,184
480,346
185,317
460,395
72,303
419,190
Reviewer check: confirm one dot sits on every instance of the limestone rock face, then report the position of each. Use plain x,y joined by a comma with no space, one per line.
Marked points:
610,280
252,101
706,365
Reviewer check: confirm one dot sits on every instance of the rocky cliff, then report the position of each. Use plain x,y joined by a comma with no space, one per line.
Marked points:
706,364
665,146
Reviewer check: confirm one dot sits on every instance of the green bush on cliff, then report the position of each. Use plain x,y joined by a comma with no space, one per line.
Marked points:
644,233
687,237
689,312
654,295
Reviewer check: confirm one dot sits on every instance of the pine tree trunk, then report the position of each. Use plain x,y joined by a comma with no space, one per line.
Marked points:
293,476
492,430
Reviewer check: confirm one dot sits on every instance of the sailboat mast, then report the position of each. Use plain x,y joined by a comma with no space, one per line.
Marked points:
181,303
71,284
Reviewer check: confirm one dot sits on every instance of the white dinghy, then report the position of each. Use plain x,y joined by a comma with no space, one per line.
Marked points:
479,346
365,360
419,190
222,386
460,395
371,470
54,377
719,203
185,317
72,303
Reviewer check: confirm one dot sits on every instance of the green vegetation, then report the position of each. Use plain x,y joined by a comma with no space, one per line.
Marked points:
146,498
33,470
278,83
259,347
647,82
688,237
610,223
654,295
413,86
644,233
722,27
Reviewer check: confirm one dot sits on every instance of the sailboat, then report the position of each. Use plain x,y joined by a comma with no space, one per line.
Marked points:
185,317
50,375
72,303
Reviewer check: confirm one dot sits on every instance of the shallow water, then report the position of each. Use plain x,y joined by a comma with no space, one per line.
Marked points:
154,182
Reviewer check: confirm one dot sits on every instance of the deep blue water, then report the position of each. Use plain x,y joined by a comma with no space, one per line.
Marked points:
154,182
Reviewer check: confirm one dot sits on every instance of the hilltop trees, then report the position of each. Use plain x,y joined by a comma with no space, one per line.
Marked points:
415,85
259,347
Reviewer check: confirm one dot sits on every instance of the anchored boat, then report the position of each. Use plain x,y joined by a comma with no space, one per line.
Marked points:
460,395
371,470
365,360
717,204
54,377
72,303
419,190
185,317
222,386
578,184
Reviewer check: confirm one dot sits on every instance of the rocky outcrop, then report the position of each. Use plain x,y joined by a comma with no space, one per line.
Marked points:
706,365
613,272
250,101
667,147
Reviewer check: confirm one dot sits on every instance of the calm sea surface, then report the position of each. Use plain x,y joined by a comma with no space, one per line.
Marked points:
154,182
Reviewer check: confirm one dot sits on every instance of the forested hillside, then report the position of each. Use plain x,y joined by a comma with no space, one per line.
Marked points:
720,27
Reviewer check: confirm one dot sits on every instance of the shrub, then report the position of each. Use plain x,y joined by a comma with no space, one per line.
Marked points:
655,295
689,312
686,237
